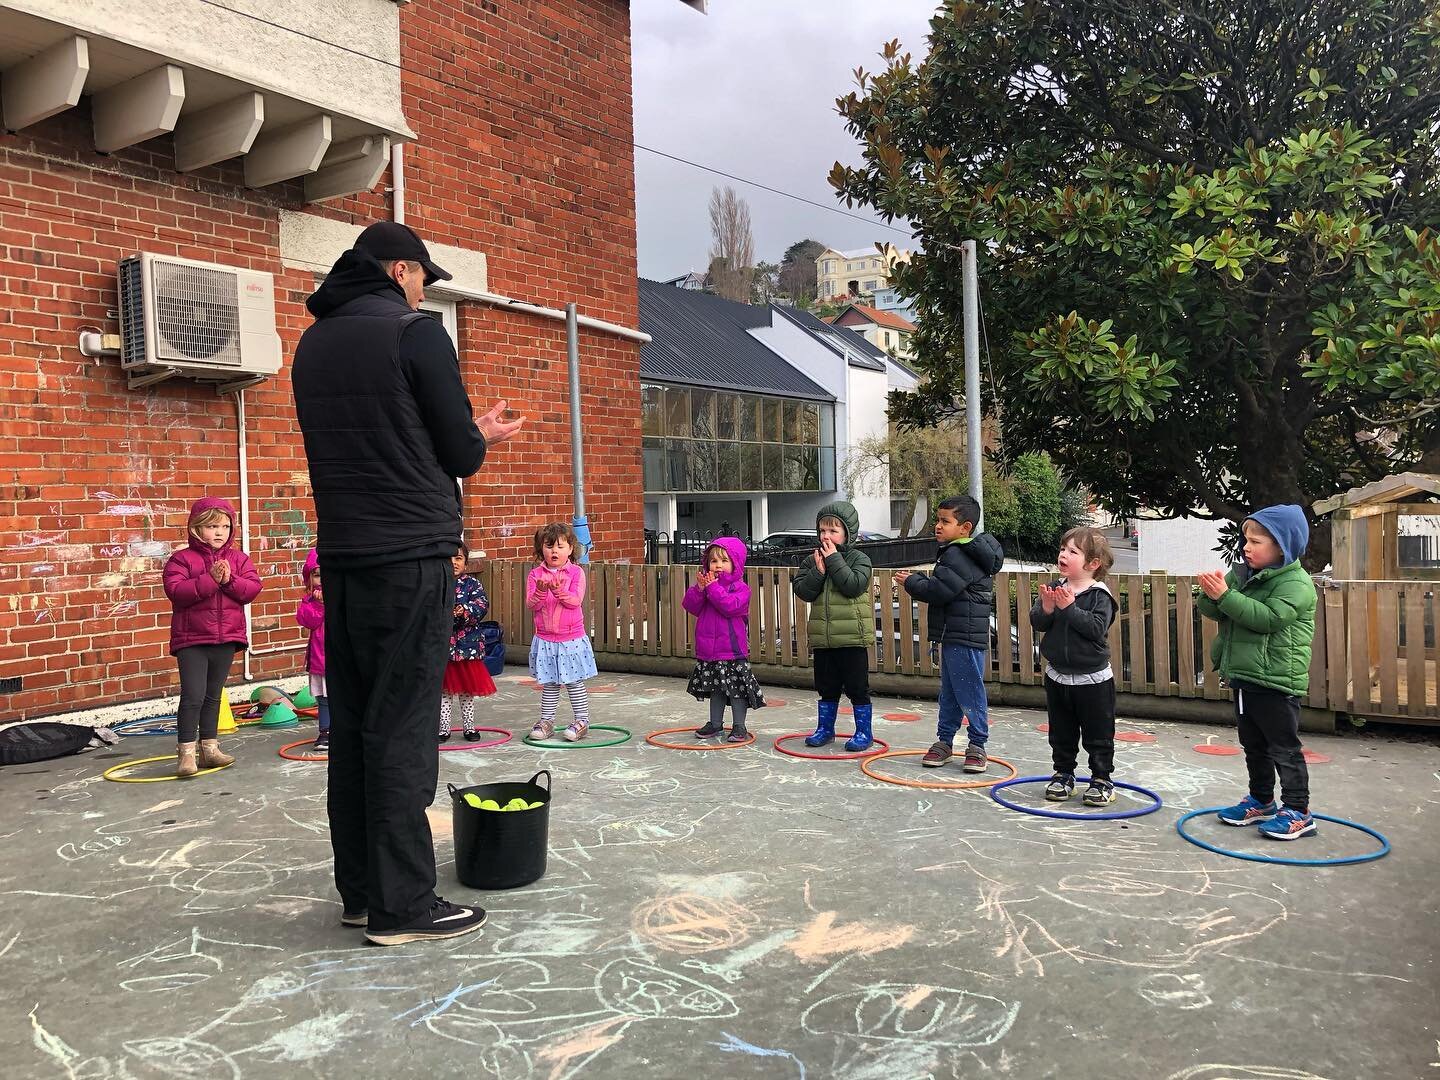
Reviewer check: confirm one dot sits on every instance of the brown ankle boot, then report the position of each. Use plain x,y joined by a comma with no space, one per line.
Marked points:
211,756
185,756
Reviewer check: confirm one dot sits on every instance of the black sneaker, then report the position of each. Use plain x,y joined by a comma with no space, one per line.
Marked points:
738,735
1099,793
354,918
322,743
471,735
443,920
1060,788
711,728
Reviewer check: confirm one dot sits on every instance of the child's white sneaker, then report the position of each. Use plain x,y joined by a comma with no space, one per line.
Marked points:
543,729
577,730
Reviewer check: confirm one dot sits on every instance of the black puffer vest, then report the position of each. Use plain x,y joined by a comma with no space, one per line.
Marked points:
381,492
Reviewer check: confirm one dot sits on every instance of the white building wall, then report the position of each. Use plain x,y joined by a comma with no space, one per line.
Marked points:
868,395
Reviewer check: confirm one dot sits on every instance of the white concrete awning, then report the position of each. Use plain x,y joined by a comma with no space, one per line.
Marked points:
266,83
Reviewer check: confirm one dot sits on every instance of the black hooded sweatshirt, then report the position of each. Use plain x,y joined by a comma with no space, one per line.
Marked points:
388,426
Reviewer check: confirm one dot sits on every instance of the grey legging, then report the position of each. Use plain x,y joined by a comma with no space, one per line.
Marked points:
203,669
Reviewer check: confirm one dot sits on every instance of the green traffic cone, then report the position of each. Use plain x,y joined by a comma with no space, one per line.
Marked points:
279,714
305,700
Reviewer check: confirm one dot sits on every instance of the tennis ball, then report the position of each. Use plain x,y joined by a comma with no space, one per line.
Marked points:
489,804
472,799
536,805
517,803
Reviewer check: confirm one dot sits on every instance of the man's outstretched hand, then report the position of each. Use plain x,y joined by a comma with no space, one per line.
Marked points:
495,429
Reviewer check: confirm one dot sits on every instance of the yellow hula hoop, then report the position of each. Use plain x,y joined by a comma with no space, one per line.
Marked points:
152,779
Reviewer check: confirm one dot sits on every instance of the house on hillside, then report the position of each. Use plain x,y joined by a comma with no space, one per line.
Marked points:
859,273
889,299
748,413
888,331
236,150
694,281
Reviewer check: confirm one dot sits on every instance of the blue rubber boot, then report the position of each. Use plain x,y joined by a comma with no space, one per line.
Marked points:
824,732
862,739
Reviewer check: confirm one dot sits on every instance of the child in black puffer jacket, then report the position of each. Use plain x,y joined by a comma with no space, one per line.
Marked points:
1075,614
960,592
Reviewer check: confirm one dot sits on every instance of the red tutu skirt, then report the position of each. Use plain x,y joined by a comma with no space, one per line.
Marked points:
468,677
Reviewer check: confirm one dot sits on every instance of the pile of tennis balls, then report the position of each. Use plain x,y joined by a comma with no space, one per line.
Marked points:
516,803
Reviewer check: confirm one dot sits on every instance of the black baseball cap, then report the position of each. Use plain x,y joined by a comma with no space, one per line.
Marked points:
392,240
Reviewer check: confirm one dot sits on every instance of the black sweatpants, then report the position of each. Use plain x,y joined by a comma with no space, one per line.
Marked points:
1269,725
203,671
843,670
1082,714
387,641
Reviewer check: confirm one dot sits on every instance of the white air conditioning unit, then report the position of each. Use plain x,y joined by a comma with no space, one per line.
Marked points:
179,317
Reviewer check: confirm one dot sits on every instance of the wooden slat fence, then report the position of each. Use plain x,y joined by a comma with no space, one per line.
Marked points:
1160,643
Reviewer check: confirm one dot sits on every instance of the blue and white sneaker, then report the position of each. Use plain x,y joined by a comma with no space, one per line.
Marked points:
1288,825
1248,811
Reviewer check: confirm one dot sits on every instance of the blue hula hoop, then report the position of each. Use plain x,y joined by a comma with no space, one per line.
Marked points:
1070,815
123,727
1371,857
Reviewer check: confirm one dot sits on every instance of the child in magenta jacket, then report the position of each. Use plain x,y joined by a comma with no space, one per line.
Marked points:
209,582
720,602
560,654
311,614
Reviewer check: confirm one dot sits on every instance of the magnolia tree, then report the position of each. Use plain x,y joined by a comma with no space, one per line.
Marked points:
1208,267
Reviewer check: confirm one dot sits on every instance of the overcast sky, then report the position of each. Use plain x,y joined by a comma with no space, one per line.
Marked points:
750,89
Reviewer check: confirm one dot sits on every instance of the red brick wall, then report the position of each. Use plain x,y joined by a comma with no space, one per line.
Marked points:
524,152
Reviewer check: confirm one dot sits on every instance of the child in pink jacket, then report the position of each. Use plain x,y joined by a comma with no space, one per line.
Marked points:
311,615
560,654
720,602
209,582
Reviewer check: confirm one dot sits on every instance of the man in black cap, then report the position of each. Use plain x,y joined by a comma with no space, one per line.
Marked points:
388,429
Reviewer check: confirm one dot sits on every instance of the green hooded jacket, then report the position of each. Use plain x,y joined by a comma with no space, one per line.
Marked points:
1267,617
842,612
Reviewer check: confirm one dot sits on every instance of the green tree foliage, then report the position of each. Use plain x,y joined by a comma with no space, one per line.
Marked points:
1207,260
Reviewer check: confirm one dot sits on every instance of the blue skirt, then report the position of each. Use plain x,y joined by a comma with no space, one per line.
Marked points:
562,662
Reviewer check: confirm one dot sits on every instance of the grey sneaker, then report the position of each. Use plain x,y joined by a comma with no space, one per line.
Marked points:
1099,793
1060,788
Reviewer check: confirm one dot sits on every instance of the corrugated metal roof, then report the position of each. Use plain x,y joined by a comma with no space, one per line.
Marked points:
701,340
842,339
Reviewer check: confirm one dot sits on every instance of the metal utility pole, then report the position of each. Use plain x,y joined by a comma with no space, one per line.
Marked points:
971,312
577,454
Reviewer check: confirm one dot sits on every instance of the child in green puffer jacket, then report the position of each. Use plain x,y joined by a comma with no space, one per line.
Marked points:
1266,610
836,585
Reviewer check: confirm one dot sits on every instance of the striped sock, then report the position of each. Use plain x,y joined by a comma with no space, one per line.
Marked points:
549,702
579,701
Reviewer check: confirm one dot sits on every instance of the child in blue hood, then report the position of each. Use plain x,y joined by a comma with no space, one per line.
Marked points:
1266,610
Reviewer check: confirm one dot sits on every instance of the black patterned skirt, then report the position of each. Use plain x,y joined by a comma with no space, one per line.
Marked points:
731,679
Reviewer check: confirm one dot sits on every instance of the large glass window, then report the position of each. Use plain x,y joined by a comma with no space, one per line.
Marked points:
652,410
702,414
700,440
677,412
727,416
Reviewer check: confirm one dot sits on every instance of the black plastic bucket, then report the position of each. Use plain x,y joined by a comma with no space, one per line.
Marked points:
501,849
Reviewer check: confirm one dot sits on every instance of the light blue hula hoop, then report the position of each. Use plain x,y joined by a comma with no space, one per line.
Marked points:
1070,815
1371,857
123,728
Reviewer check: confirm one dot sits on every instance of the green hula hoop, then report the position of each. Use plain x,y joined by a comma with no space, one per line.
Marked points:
545,744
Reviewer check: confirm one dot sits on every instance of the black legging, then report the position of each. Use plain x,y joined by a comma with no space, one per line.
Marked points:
203,669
